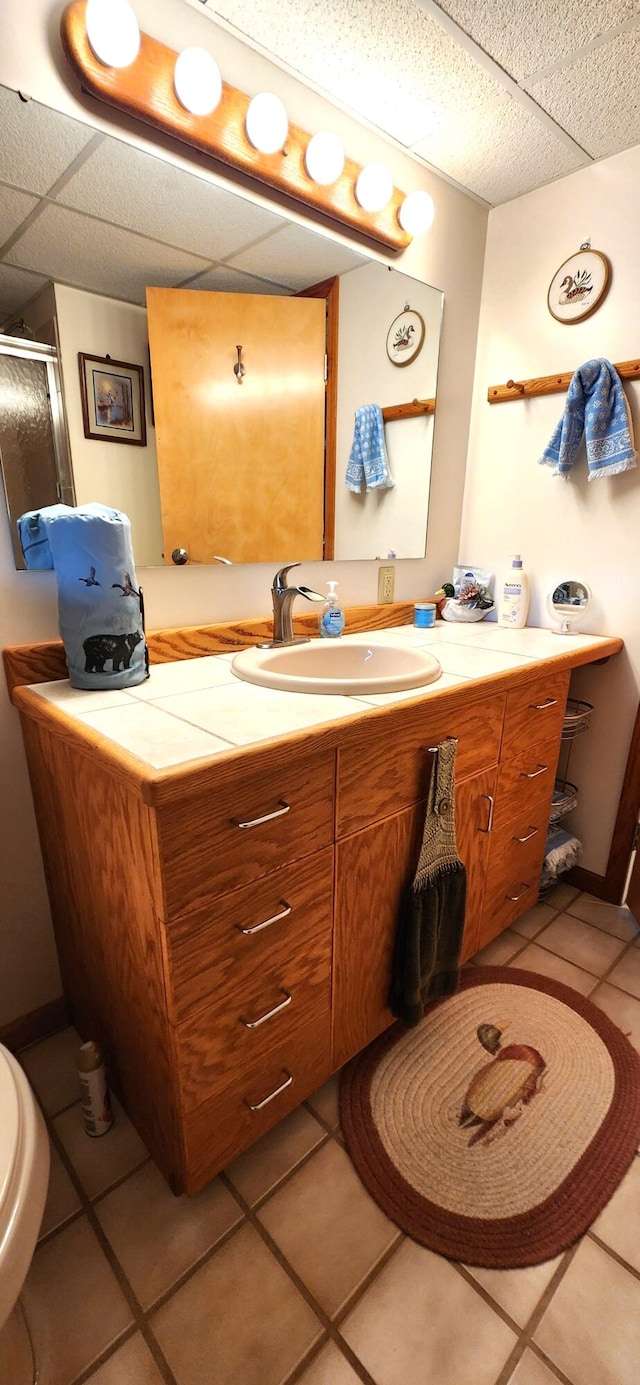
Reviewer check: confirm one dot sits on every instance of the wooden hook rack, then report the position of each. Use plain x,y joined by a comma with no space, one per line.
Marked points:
412,410
550,384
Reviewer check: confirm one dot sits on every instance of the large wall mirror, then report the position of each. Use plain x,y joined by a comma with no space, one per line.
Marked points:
88,224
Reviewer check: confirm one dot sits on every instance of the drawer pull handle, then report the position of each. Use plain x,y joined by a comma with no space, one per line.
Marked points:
255,1024
532,833
258,1105
268,817
266,923
542,706
533,773
492,803
521,892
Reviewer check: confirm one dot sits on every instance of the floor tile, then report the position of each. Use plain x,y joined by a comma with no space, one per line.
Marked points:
626,973
16,1361
517,1291
536,958
500,950
407,1326
329,1368
591,1329
51,1069
534,920
326,1102
62,1198
157,1236
102,1161
561,896
580,943
253,1325
262,1167
623,1009
73,1302
328,1227
613,918
131,1364
618,1222
530,1370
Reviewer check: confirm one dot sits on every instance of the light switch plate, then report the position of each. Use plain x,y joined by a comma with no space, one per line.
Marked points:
386,584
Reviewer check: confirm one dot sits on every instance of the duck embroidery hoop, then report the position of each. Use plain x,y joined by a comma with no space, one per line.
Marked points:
579,286
405,337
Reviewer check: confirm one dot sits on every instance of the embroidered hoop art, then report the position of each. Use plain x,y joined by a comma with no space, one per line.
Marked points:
579,286
405,337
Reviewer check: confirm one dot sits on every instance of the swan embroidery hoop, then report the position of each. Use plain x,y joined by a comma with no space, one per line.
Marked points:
579,285
405,337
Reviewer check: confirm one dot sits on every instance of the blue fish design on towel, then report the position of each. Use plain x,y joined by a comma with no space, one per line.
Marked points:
368,459
596,407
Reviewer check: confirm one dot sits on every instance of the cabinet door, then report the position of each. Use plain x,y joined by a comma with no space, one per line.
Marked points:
474,823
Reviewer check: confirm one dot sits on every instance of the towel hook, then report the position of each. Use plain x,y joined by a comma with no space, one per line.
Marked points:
515,385
238,368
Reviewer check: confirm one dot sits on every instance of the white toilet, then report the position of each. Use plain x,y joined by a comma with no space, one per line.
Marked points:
24,1177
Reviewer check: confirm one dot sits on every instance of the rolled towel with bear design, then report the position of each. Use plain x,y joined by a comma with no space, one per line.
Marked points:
100,607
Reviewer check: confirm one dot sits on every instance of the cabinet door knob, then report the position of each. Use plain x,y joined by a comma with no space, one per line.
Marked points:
258,1105
520,893
532,833
541,706
533,774
266,923
267,817
255,1024
492,803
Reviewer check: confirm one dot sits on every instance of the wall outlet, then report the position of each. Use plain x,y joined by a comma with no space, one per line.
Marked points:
386,583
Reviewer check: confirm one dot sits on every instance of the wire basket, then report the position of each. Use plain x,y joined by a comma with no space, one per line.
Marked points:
565,799
576,718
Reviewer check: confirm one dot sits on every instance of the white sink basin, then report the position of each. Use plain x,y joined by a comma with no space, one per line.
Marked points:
324,666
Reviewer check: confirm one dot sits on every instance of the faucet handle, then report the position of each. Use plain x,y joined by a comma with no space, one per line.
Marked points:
280,579
310,594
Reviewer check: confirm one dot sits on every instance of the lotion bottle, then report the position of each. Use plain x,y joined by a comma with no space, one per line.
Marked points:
332,615
513,601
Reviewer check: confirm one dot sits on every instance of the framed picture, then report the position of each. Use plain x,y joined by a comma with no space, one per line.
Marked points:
405,337
579,286
112,400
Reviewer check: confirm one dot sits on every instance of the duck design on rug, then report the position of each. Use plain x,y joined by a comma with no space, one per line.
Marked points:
497,1094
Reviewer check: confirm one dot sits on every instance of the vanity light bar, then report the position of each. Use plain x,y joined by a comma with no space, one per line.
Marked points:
145,89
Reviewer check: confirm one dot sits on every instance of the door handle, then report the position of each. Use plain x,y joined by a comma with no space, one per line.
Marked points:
255,1024
520,893
533,774
492,803
267,817
542,706
532,833
258,1105
266,923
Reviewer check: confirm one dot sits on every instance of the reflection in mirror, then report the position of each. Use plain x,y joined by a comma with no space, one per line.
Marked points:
567,604
89,222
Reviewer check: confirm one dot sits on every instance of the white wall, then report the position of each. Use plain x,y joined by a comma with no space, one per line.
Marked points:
451,257
569,529
375,523
114,473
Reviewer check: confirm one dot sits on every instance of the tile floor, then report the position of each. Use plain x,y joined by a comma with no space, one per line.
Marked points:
283,1270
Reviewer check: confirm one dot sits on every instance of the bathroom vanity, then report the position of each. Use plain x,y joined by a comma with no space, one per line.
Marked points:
225,863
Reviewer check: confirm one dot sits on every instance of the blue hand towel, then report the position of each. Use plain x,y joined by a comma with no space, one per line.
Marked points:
368,459
32,532
596,406
99,601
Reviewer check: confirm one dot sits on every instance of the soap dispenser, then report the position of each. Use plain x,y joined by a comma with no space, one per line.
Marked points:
332,615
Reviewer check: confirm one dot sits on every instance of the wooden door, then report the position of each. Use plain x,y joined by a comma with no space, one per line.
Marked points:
632,896
240,465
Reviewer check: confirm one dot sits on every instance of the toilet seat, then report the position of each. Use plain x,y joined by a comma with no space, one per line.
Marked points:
24,1175
11,1140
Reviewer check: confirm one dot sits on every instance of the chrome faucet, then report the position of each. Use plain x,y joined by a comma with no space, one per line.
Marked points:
283,598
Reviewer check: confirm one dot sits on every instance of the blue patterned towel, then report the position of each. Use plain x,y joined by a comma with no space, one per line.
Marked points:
596,406
32,532
368,459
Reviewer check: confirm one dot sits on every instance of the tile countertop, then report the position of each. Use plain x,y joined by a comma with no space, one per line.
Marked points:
197,708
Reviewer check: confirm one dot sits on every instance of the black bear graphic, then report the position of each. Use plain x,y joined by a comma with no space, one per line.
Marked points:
119,648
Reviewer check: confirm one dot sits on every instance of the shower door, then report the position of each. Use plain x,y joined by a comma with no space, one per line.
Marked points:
34,457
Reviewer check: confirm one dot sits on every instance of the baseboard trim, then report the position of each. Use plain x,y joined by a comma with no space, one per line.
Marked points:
597,885
27,1029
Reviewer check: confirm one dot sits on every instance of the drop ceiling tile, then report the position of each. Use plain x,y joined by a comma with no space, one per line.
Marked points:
523,37
227,280
391,63
596,98
296,258
499,152
16,288
37,143
142,193
14,206
99,257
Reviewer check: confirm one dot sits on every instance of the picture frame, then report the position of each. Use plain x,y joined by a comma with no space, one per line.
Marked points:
579,286
112,400
405,338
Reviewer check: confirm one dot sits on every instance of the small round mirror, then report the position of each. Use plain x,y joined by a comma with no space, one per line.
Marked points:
567,604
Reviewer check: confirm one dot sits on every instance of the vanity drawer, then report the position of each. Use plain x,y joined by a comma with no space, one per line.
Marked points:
220,841
526,777
377,777
225,1125
235,1036
534,713
515,862
240,938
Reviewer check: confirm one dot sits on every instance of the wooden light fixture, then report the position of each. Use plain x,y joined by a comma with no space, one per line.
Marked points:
145,89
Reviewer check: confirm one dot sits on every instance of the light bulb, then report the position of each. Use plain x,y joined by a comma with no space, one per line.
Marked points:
266,123
113,32
416,213
324,157
374,187
197,81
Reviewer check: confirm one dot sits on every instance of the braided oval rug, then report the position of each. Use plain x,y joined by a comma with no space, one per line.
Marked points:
497,1129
